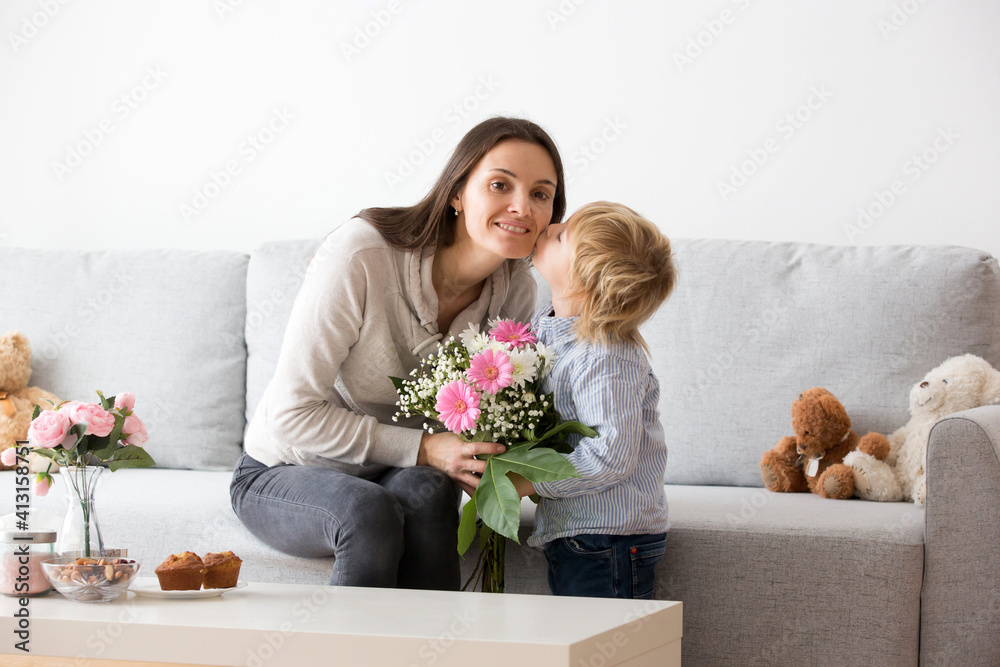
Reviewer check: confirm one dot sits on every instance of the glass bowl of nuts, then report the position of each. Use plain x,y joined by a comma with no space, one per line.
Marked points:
90,579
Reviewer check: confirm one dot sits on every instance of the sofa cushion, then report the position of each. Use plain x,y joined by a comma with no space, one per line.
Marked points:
186,510
755,568
164,324
752,324
274,276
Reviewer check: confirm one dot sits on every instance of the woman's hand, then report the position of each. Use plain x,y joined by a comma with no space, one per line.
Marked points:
449,453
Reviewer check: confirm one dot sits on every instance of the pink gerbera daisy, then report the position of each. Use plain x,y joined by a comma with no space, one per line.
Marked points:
516,334
458,406
491,371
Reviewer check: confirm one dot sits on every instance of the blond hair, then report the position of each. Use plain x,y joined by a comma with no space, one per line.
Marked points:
621,271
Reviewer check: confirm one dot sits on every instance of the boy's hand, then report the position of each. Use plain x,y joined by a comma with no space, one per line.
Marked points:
521,484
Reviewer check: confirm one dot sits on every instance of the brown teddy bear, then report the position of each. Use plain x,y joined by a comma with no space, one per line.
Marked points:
812,460
17,399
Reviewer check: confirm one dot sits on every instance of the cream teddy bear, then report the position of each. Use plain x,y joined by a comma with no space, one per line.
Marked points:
959,383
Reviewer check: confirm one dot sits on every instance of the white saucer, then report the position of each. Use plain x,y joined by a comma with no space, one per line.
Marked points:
149,587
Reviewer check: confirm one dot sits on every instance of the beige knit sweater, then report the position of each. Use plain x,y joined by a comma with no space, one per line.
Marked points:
366,311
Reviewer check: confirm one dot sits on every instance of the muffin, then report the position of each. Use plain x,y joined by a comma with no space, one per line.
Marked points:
223,569
181,572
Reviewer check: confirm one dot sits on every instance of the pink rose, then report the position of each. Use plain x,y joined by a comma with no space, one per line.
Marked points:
99,421
125,401
9,456
134,431
43,482
48,429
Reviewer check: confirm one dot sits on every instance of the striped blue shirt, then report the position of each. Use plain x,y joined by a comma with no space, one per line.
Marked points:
613,389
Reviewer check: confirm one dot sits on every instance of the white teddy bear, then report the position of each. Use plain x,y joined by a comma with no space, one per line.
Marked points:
959,383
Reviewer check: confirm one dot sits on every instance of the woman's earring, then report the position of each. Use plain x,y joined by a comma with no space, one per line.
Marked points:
454,210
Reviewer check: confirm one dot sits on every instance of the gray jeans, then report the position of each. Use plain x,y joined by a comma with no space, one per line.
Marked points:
399,530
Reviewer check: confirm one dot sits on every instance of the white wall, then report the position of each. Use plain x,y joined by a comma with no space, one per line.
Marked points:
157,96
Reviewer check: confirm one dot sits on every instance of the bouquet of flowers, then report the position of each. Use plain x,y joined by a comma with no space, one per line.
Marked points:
485,387
82,438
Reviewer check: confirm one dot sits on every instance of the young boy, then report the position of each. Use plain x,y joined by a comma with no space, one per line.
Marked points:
603,533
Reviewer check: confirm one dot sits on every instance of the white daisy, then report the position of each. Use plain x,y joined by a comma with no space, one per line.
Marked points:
478,343
496,345
548,356
524,362
470,335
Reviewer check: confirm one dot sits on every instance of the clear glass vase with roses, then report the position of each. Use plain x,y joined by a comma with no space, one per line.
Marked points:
486,387
83,439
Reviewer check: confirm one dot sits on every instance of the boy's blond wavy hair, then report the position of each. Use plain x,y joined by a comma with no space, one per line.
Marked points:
621,271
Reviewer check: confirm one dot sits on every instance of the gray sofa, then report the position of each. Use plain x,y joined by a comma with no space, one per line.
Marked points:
766,579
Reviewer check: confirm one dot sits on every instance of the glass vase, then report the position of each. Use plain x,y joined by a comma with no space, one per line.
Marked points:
81,533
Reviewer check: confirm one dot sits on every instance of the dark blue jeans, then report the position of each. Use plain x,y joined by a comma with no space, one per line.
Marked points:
399,530
605,566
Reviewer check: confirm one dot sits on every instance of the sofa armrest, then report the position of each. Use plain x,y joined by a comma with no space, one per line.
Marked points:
960,600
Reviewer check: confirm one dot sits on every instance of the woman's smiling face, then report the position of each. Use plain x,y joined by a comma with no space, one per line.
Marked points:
507,200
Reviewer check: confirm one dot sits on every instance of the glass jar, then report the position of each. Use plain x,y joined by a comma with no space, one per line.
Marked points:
21,555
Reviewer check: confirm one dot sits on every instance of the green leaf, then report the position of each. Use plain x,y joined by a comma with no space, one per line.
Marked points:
397,383
482,435
47,453
467,526
499,504
104,401
35,412
538,465
484,536
104,449
116,432
569,427
131,456
561,447
78,448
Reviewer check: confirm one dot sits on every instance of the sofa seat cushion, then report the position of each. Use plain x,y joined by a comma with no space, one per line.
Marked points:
154,513
754,567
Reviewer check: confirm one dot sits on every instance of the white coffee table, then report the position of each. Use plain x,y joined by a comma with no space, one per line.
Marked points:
283,624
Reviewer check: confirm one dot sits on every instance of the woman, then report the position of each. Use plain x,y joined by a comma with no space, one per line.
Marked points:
325,470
